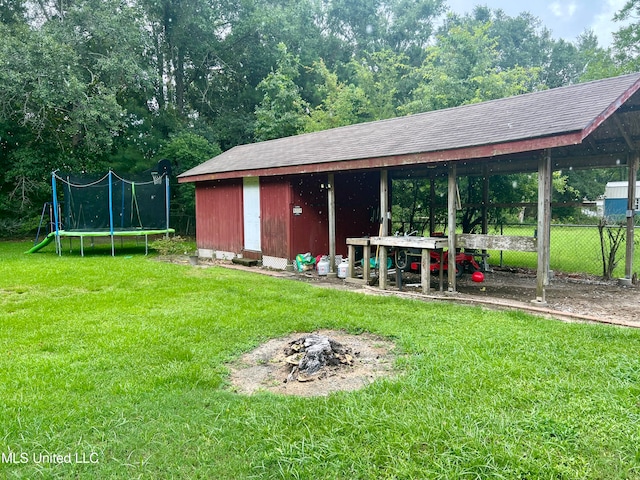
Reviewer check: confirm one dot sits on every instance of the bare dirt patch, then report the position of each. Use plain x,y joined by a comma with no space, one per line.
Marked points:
267,367
577,296
568,296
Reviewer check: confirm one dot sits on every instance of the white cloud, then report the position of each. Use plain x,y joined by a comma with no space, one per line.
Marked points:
572,8
556,9
603,25
563,10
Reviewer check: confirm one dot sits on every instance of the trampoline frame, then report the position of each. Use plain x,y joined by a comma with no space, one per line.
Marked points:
112,232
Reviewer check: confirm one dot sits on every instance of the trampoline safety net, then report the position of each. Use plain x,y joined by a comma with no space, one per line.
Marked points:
92,203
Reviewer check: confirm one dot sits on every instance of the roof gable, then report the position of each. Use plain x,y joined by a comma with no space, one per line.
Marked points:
549,113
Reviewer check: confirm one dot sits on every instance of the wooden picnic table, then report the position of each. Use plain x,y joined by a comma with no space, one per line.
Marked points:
425,244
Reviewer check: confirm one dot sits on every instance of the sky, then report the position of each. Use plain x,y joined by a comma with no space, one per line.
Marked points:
565,18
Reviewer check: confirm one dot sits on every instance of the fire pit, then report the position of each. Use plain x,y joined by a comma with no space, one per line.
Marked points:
312,364
309,356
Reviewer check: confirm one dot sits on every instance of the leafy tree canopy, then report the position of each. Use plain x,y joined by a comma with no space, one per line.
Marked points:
92,84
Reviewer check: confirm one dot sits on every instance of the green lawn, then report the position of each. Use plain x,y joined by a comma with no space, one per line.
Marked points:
573,249
122,361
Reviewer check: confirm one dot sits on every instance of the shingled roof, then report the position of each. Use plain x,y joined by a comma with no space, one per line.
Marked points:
563,116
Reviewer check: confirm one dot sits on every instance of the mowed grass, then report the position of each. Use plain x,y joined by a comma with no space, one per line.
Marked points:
123,361
573,249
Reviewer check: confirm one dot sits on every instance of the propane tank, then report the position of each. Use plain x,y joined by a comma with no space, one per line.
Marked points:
323,266
343,268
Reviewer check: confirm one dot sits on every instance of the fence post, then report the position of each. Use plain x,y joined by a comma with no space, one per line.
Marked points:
631,210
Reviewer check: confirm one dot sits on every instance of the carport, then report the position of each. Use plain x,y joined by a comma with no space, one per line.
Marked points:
590,125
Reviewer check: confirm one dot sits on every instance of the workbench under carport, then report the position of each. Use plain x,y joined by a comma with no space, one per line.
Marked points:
425,244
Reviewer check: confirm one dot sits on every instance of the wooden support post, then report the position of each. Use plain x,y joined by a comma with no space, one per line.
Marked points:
432,206
384,203
351,252
544,225
425,271
441,272
485,200
383,271
633,162
485,213
452,205
352,243
384,227
366,263
331,196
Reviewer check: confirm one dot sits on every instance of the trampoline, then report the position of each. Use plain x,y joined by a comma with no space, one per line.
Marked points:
109,206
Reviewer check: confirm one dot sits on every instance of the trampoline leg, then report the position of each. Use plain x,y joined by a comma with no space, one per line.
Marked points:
146,244
82,246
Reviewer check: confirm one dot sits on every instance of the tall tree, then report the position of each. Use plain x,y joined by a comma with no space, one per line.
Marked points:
462,67
385,78
281,111
627,38
403,26
342,104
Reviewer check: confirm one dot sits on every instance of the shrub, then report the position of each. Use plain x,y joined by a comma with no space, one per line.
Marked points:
175,245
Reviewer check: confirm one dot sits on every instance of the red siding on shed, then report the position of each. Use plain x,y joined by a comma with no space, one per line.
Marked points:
310,229
219,224
219,214
357,207
275,213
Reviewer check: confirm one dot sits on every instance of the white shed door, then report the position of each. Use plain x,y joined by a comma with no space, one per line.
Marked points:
251,201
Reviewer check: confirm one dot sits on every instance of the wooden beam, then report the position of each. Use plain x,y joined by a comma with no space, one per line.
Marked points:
331,200
431,243
432,158
485,199
591,142
624,133
634,162
366,255
452,201
432,206
544,225
384,228
384,203
497,242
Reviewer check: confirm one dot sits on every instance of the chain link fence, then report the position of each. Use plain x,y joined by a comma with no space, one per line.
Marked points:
582,247
574,248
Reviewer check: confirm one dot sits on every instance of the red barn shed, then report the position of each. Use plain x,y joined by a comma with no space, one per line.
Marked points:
308,193
276,218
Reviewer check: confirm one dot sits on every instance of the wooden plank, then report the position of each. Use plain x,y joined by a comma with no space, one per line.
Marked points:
497,242
351,272
247,262
410,242
363,242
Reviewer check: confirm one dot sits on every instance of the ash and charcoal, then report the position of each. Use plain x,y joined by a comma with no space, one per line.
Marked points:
310,356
